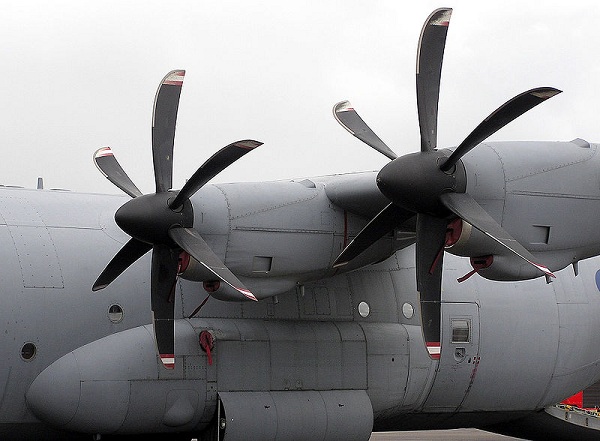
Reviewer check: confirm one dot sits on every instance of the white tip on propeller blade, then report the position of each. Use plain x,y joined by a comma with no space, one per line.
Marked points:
174,78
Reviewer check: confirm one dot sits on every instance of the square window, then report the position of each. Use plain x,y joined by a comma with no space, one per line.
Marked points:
461,330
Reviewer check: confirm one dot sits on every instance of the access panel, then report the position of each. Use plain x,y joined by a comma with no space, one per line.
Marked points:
459,357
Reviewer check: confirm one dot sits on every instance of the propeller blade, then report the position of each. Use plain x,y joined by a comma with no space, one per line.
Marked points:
345,114
191,242
504,114
385,221
431,236
212,167
464,206
131,252
111,169
164,276
164,119
430,54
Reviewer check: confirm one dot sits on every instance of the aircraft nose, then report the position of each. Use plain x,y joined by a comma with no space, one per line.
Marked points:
54,395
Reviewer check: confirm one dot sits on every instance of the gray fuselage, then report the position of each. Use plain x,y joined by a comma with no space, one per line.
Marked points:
316,332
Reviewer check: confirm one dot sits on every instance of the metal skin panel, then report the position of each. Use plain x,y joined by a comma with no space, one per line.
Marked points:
421,372
243,365
459,360
517,344
357,193
35,248
570,343
256,204
121,374
241,419
388,362
556,156
167,406
298,358
270,219
57,408
112,396
277,244
38,259
12,302
542,180
26,207
368,286
318,415
274,226
210,209
298,217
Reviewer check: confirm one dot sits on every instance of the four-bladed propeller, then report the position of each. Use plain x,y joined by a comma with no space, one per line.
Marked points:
163,221
431,185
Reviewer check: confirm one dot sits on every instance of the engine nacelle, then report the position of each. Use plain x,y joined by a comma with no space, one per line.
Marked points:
494,262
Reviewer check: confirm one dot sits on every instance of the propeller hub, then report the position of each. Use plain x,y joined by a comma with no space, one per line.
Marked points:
148,218
415,182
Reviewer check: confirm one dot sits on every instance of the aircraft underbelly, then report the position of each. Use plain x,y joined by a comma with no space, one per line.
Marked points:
283,415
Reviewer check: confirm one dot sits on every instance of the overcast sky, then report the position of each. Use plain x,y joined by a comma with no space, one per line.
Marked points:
79,75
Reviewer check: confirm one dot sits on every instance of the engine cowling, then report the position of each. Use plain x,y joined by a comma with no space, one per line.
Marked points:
489,259
466,241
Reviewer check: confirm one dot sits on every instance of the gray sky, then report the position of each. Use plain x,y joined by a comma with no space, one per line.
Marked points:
79,75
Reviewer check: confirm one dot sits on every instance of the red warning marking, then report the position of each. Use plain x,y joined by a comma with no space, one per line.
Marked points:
434,348
105,151
168,360
175,78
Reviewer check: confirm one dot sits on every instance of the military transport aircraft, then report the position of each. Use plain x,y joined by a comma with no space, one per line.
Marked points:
413,297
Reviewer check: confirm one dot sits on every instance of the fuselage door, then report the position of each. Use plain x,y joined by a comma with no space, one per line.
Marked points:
459,357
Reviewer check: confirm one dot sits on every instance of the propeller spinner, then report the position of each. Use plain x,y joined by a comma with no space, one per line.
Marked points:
428,183
163,221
